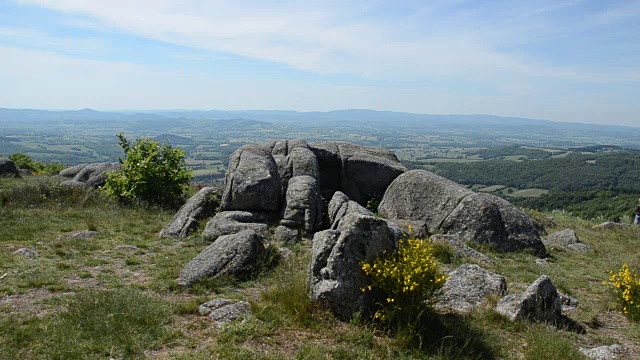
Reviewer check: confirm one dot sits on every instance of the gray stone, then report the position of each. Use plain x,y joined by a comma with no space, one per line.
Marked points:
71,172
542,262
611,352
127,247
468,287
95,175
303,208
562,238
611,225
452,209
568,303
340,206
199,207
223,311
403,229
336,277
8,168
361,172
236,255
539,302
286,235
26,252
83,234
232,222
579,248
461,249
252,181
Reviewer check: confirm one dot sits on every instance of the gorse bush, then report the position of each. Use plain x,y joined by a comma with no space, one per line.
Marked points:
24,161
151,173
626,287
411,280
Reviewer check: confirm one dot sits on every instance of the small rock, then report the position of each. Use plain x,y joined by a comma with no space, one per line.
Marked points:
540,302
566,239
579,248
223,311
611,352
286,235
468,287
85,234
127,247
568,303
27,252
542,262
285,253
611,225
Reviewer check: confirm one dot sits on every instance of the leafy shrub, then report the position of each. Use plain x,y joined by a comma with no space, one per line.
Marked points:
24,161
151,172
411,280
626,287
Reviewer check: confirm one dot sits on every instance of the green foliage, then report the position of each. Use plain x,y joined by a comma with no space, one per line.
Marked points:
503,151
411,280
151,173
626,287
24,161
42,191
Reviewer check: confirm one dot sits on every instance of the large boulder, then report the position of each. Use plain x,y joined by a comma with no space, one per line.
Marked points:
362,173
469,286
340,206
303,208
236,255
8,168
293,158
540,302
95,175
231,222
72,171
336,279
252,181
566,239
199,207
449,208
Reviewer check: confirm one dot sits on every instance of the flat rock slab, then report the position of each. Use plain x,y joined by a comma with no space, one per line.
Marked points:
26,252
468,287
611,352
223,311
197,208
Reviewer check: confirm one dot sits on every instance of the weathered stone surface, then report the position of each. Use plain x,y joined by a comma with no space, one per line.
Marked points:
611,225
360,172
540,302
336,277
460,248
232,222
252,181
568,303
71,172
8,168
95,175
340,206
223,311
26,252
236,255
127,247
403,229
200,206
611,352
286,235
303,208
562,238
446,206
468,287
579,248
83,234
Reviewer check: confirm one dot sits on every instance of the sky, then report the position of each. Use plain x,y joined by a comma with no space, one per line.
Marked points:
574,61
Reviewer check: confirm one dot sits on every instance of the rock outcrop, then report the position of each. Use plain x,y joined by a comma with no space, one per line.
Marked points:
540,302
252,182
468,287
200,206
461,249
445,206
8,168
232,222
361,172
303,209
566,239
236,255
72,171
611,352
93,175
341,206
336,277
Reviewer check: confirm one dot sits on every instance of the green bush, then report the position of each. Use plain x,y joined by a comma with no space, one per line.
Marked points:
151,173
411,280
24,161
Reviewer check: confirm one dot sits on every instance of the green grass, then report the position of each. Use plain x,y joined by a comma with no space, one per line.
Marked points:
85,298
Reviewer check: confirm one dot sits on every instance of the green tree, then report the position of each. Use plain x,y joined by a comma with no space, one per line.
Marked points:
151,172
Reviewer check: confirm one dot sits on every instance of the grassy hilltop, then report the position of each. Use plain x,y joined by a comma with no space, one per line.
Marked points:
103,285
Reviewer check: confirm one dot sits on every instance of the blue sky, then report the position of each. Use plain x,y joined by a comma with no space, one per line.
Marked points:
576,61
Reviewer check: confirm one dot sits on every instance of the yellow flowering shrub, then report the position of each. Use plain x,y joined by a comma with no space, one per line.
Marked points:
409,277
626,286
